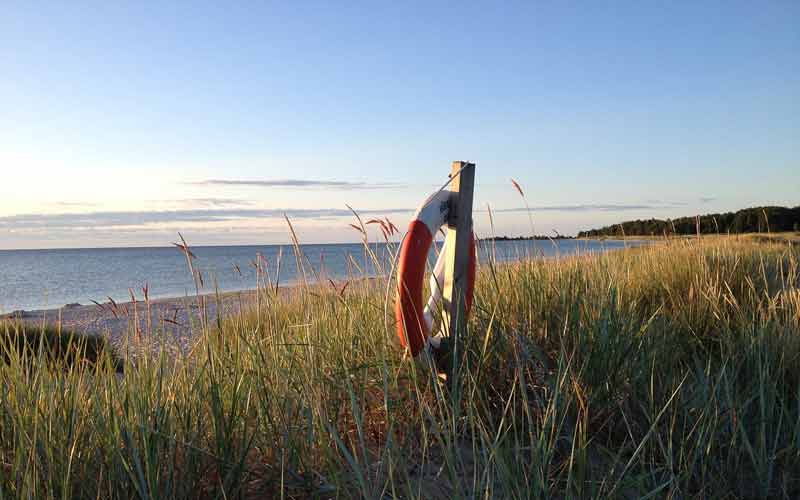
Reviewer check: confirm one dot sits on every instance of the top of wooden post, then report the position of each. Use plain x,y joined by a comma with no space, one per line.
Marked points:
462,187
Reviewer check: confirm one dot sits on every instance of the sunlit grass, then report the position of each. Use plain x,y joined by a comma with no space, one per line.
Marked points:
668,370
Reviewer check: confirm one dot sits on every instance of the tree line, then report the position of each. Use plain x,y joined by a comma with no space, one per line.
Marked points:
748,220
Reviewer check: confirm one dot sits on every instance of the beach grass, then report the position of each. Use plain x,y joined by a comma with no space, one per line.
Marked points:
664,371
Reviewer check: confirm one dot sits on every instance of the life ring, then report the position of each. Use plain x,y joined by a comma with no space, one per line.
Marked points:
414,323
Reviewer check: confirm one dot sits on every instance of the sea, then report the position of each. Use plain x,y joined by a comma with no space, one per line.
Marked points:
44,279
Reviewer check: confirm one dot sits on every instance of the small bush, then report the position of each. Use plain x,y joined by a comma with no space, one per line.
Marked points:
28,343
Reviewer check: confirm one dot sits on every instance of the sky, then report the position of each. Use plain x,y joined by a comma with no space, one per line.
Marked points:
124,123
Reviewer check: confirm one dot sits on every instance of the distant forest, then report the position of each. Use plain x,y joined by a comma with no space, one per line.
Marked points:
748,220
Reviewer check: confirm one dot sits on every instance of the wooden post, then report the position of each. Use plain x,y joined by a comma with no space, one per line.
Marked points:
457,257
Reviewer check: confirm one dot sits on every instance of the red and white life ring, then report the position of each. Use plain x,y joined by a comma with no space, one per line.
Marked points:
414,322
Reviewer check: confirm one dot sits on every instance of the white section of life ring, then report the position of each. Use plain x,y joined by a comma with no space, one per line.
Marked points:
433,211
436,284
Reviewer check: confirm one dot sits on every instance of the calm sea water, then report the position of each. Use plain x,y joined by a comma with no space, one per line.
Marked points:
37,279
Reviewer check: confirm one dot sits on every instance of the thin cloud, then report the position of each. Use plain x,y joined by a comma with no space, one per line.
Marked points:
707,199
73,204
142,218
183,202
667,203
210,202
583,208
297,183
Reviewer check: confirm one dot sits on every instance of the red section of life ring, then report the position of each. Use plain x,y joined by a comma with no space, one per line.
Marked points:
412,328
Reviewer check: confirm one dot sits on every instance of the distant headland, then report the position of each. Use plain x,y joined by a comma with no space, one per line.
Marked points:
748,220
528,238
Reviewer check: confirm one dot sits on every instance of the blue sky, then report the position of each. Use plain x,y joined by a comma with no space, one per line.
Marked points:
113,118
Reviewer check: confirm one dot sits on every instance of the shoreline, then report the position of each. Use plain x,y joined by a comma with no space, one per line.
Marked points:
37,288
173,323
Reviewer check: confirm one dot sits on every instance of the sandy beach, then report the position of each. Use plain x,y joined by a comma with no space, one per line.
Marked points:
173,323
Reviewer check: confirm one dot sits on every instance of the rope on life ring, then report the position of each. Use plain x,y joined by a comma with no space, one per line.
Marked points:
414,322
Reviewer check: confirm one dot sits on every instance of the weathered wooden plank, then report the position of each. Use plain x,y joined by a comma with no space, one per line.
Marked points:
458,254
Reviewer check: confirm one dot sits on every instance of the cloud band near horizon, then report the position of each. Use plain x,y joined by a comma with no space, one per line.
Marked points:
200,215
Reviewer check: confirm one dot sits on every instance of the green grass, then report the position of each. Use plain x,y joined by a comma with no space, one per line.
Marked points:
665,371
